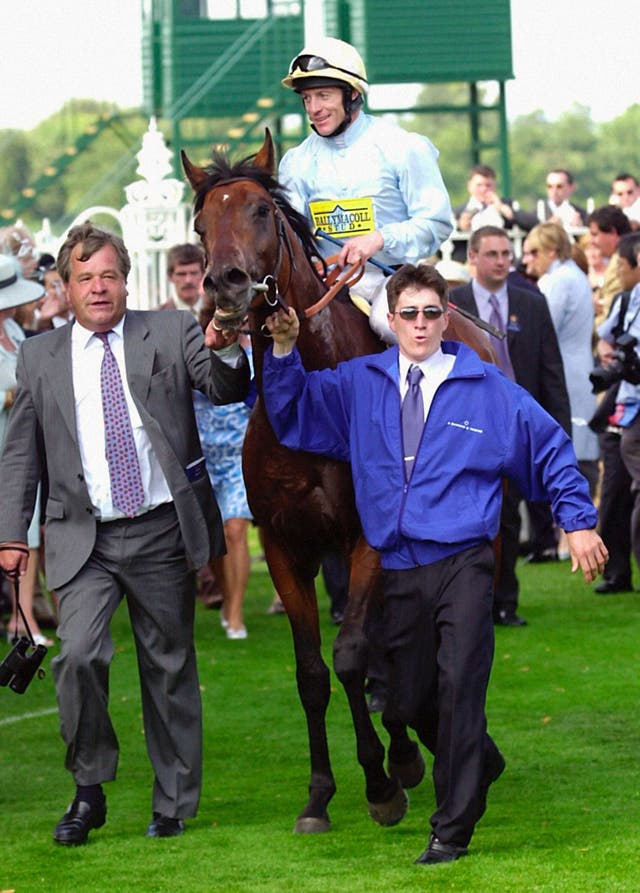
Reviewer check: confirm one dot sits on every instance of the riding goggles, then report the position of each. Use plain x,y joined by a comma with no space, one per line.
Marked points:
411,313
317,63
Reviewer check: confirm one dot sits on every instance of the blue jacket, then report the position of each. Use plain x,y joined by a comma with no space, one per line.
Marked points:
481,427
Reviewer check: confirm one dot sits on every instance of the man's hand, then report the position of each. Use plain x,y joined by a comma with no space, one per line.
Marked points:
216,337
359,249
14,557
605,352
464,221
284,328
587,552
53,305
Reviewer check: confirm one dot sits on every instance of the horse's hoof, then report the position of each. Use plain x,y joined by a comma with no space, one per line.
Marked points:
408,774
391,812
312,825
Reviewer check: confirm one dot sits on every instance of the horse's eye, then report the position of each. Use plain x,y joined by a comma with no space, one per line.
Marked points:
262,211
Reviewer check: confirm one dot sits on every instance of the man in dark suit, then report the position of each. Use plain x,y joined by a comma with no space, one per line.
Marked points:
130,512
557,208
486,207
532,359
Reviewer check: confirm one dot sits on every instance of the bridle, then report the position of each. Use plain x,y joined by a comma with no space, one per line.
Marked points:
269,291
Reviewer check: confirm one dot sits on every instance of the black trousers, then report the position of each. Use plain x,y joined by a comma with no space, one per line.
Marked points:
440,642
507,587
630,452
616,505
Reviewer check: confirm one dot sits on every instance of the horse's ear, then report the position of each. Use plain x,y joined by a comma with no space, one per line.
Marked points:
265,158
195,175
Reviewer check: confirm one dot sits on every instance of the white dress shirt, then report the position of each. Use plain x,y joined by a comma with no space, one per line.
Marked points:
87,351
434,371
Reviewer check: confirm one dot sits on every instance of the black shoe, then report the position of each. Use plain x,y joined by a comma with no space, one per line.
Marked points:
491,773
377,702
163,826
80,818
541,557
440,852
508,618
608,587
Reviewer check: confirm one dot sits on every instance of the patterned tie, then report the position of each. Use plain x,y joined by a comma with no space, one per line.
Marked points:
412,418
127,492
500,344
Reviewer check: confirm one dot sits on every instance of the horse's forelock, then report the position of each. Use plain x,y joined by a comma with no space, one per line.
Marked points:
221,170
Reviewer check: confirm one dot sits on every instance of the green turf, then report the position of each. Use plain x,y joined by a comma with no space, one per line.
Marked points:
565,816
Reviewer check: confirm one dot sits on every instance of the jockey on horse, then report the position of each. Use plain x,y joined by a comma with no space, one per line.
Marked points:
375,186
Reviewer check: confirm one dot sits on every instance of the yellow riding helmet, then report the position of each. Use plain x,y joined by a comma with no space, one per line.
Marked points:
331,59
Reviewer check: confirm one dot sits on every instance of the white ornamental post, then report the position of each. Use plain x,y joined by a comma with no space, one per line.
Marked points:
154,218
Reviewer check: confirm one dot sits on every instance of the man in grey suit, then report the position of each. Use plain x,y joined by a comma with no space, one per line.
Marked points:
106,538
533,360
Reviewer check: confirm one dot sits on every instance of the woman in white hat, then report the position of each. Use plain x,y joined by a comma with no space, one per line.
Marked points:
15,292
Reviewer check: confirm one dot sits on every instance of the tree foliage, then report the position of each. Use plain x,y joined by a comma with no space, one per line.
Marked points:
593,152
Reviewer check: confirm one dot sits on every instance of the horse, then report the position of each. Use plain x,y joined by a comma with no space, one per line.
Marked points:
260,253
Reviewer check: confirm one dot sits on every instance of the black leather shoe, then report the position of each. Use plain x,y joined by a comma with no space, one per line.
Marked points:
437,851
377,702
541,557
80,818
508,618
608,587
164,826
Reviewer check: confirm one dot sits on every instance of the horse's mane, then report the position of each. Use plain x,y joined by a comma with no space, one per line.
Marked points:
222,170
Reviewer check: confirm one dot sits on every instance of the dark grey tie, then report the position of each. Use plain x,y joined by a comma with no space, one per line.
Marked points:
412,418
500,344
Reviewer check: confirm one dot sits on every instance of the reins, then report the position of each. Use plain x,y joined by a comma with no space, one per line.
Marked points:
269,292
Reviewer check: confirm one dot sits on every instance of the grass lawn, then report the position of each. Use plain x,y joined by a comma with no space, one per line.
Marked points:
565,816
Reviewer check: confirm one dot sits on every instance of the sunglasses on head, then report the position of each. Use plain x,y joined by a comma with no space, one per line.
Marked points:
317,63
411,313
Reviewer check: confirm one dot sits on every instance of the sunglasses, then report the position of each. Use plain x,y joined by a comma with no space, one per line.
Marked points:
317,63
411,313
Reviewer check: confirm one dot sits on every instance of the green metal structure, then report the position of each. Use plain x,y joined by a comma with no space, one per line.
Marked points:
213,75
205,60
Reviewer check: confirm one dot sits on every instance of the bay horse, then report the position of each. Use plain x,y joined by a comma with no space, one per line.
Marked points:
255,242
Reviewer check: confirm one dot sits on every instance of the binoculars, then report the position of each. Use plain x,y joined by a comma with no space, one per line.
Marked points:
21,665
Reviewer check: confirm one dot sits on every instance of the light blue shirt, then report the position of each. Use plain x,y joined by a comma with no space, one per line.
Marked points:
482,297
570,301
627,392
373,158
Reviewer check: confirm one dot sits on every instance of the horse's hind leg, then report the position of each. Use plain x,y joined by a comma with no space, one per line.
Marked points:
387,801
312,674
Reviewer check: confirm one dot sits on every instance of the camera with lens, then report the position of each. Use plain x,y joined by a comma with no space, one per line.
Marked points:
624,367
21,665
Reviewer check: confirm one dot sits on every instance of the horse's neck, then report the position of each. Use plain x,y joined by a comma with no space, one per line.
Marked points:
298,280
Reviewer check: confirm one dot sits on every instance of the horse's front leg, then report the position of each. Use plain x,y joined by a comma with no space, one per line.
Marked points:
385,795
298,594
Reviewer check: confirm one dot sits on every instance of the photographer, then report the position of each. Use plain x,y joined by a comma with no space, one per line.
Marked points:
620,359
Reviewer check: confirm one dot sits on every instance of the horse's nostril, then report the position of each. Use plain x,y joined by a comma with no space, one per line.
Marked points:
207,283
235,276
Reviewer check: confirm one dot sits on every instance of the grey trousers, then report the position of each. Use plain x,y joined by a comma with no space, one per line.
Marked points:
144,561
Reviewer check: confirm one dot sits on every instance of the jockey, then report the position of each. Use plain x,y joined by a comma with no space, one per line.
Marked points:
360,178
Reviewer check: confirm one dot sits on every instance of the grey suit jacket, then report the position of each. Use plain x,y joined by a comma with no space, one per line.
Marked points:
166,358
